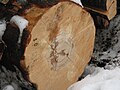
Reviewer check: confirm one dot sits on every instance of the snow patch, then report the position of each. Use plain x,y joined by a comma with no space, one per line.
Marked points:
78,2
21,22
8,87
102,80
2,28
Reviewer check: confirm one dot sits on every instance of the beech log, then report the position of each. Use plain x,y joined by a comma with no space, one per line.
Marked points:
103,5
62,41
109,13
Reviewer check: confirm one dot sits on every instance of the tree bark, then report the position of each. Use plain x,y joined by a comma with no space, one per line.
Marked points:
103,5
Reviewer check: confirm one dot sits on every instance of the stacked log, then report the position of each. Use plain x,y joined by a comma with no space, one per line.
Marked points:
62,41
103,5
107,8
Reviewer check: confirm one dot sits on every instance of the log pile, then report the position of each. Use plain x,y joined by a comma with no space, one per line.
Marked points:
58,42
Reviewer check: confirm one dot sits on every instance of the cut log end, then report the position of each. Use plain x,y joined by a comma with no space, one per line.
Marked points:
61,46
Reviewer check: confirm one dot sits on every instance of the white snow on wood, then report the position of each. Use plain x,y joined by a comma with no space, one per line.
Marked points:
78,2
21,22
100,80
8,87
2,28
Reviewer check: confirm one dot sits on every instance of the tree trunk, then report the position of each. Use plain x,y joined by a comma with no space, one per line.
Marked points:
103,5
109,13
61,45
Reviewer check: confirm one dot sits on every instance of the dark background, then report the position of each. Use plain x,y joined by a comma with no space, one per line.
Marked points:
118,6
